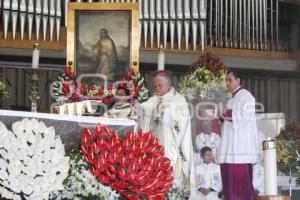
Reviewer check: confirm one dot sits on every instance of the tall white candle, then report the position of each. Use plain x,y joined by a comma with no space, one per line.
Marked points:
70,109
270,167
161,60
35,57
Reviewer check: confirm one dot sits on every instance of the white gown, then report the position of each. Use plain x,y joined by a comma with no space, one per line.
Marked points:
239,140
258,178
168,117
208,176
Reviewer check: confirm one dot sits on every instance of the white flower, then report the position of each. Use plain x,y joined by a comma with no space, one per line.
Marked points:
82,183
174,194
202,80
32,160
190,93
203,94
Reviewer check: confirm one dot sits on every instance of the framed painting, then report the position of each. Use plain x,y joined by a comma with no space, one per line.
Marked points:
102,38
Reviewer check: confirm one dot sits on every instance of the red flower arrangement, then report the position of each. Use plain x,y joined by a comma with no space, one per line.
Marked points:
210,62
72,90
290,132
134,166
69,74
135,83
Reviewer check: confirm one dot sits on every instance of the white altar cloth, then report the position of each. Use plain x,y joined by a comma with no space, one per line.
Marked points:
69,128
78,119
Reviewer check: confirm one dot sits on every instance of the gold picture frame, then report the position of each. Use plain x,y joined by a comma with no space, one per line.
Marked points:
103,38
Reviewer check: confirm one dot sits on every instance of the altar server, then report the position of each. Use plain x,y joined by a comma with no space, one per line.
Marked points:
121,108
238,149
167,115
208,177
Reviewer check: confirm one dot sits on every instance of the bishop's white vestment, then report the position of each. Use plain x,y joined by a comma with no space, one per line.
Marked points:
168,117
239,140
208,176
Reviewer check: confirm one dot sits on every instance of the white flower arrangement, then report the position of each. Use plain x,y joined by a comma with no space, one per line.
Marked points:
82,184
174,194
33,164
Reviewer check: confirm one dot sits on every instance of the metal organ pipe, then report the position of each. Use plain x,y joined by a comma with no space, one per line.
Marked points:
22,17
251,24
172,12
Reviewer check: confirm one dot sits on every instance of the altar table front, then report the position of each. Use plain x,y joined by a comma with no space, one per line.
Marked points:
68,127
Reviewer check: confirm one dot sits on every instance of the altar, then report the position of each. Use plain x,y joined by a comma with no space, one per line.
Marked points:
69,128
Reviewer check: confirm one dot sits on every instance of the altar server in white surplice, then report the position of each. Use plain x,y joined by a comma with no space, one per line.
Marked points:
207,138
238,149
167,115
208,177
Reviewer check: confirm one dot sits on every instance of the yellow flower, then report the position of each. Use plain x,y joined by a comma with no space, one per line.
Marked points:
206,71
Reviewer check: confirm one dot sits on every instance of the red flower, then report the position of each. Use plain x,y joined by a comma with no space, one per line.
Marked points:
66,89
69,72
135,166
108,100
290,132
75,97
83,89
210,62
77,91
130,74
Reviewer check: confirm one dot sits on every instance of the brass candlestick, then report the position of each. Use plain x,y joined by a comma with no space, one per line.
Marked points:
34,78
34,93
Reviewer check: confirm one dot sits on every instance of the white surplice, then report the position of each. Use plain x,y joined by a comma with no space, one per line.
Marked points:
239,140
168,117
258,178
261,137
208,176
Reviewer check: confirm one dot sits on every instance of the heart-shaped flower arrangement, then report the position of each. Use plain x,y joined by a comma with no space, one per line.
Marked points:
134,166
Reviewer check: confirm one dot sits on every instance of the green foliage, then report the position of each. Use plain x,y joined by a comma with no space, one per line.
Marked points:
288,150
3,90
